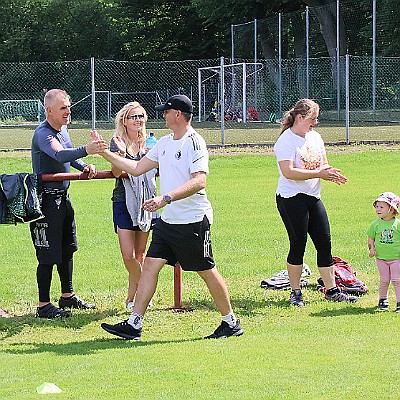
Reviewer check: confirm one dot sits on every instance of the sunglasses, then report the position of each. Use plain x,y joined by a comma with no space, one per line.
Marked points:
136,116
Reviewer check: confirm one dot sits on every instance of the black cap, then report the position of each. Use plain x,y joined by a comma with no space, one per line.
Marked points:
178,102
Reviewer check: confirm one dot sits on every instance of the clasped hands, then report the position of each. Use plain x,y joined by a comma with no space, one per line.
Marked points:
97,144
332,174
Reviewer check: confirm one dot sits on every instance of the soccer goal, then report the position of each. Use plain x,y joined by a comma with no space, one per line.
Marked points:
231,91
148,100
17,112
106,104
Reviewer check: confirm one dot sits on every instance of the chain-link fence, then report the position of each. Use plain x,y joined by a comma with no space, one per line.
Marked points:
252,99
347,27
274,62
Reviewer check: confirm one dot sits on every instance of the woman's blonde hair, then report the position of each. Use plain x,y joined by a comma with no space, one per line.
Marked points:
120,126
305,107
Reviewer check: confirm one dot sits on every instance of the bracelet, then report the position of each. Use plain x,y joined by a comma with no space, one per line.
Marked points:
122,154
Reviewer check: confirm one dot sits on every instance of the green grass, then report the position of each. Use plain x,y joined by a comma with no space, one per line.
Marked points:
250,133
321,351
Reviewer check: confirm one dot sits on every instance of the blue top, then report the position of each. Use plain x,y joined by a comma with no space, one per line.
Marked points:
46,160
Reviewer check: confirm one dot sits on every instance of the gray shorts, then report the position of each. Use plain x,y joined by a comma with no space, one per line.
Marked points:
188,244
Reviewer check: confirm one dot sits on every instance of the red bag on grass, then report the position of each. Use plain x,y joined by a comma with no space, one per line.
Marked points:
345,279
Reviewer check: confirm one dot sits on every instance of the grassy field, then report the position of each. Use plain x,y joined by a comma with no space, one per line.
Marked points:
321,351
235,134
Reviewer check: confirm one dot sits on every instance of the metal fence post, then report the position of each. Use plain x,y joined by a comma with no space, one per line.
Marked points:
73,176
347,98
374,56
222,114
338,57
93,93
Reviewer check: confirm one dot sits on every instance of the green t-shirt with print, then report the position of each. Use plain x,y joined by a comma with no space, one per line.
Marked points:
386,235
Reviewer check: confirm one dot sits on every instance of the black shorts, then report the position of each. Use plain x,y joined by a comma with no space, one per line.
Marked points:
188,244
54,236
121,217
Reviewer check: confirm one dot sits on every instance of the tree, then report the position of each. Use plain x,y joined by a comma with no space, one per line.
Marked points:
164,30
54,30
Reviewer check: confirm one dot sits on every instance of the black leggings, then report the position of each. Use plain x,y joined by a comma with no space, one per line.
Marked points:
44,274
304,214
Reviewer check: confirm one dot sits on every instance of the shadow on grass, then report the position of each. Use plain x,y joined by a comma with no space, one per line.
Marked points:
242,306
85,347
15,324
349,310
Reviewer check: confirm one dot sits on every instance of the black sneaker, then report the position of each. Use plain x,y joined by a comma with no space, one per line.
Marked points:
398,307
124,330
51,311
224,331
383,305
296,298
340,296
74,302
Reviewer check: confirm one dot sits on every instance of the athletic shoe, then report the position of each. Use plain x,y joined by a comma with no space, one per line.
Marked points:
51,311
383,305
224,331
74,302
124,330
340,296
398,307
296,298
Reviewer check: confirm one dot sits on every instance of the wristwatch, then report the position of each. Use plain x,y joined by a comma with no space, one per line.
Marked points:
167,198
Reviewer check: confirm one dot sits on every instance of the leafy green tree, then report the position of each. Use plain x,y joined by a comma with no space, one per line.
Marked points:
54,30
164,30
57,30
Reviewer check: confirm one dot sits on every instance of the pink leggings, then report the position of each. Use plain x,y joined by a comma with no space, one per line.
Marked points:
389,271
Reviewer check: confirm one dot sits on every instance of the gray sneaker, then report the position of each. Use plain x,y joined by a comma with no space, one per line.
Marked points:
340,296
74,302
296,298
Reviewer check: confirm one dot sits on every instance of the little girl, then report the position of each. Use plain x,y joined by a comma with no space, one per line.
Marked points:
384,244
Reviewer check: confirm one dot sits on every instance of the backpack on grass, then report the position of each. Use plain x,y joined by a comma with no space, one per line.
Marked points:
345,279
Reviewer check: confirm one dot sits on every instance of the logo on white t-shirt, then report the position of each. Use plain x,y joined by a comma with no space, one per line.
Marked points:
178,155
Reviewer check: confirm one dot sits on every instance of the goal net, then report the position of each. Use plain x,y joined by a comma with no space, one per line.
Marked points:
148,101
17,112
241,98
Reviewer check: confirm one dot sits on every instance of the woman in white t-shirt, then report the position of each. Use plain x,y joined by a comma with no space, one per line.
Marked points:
302,162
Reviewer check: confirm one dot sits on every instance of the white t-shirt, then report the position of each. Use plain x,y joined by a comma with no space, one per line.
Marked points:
177,160
306,153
